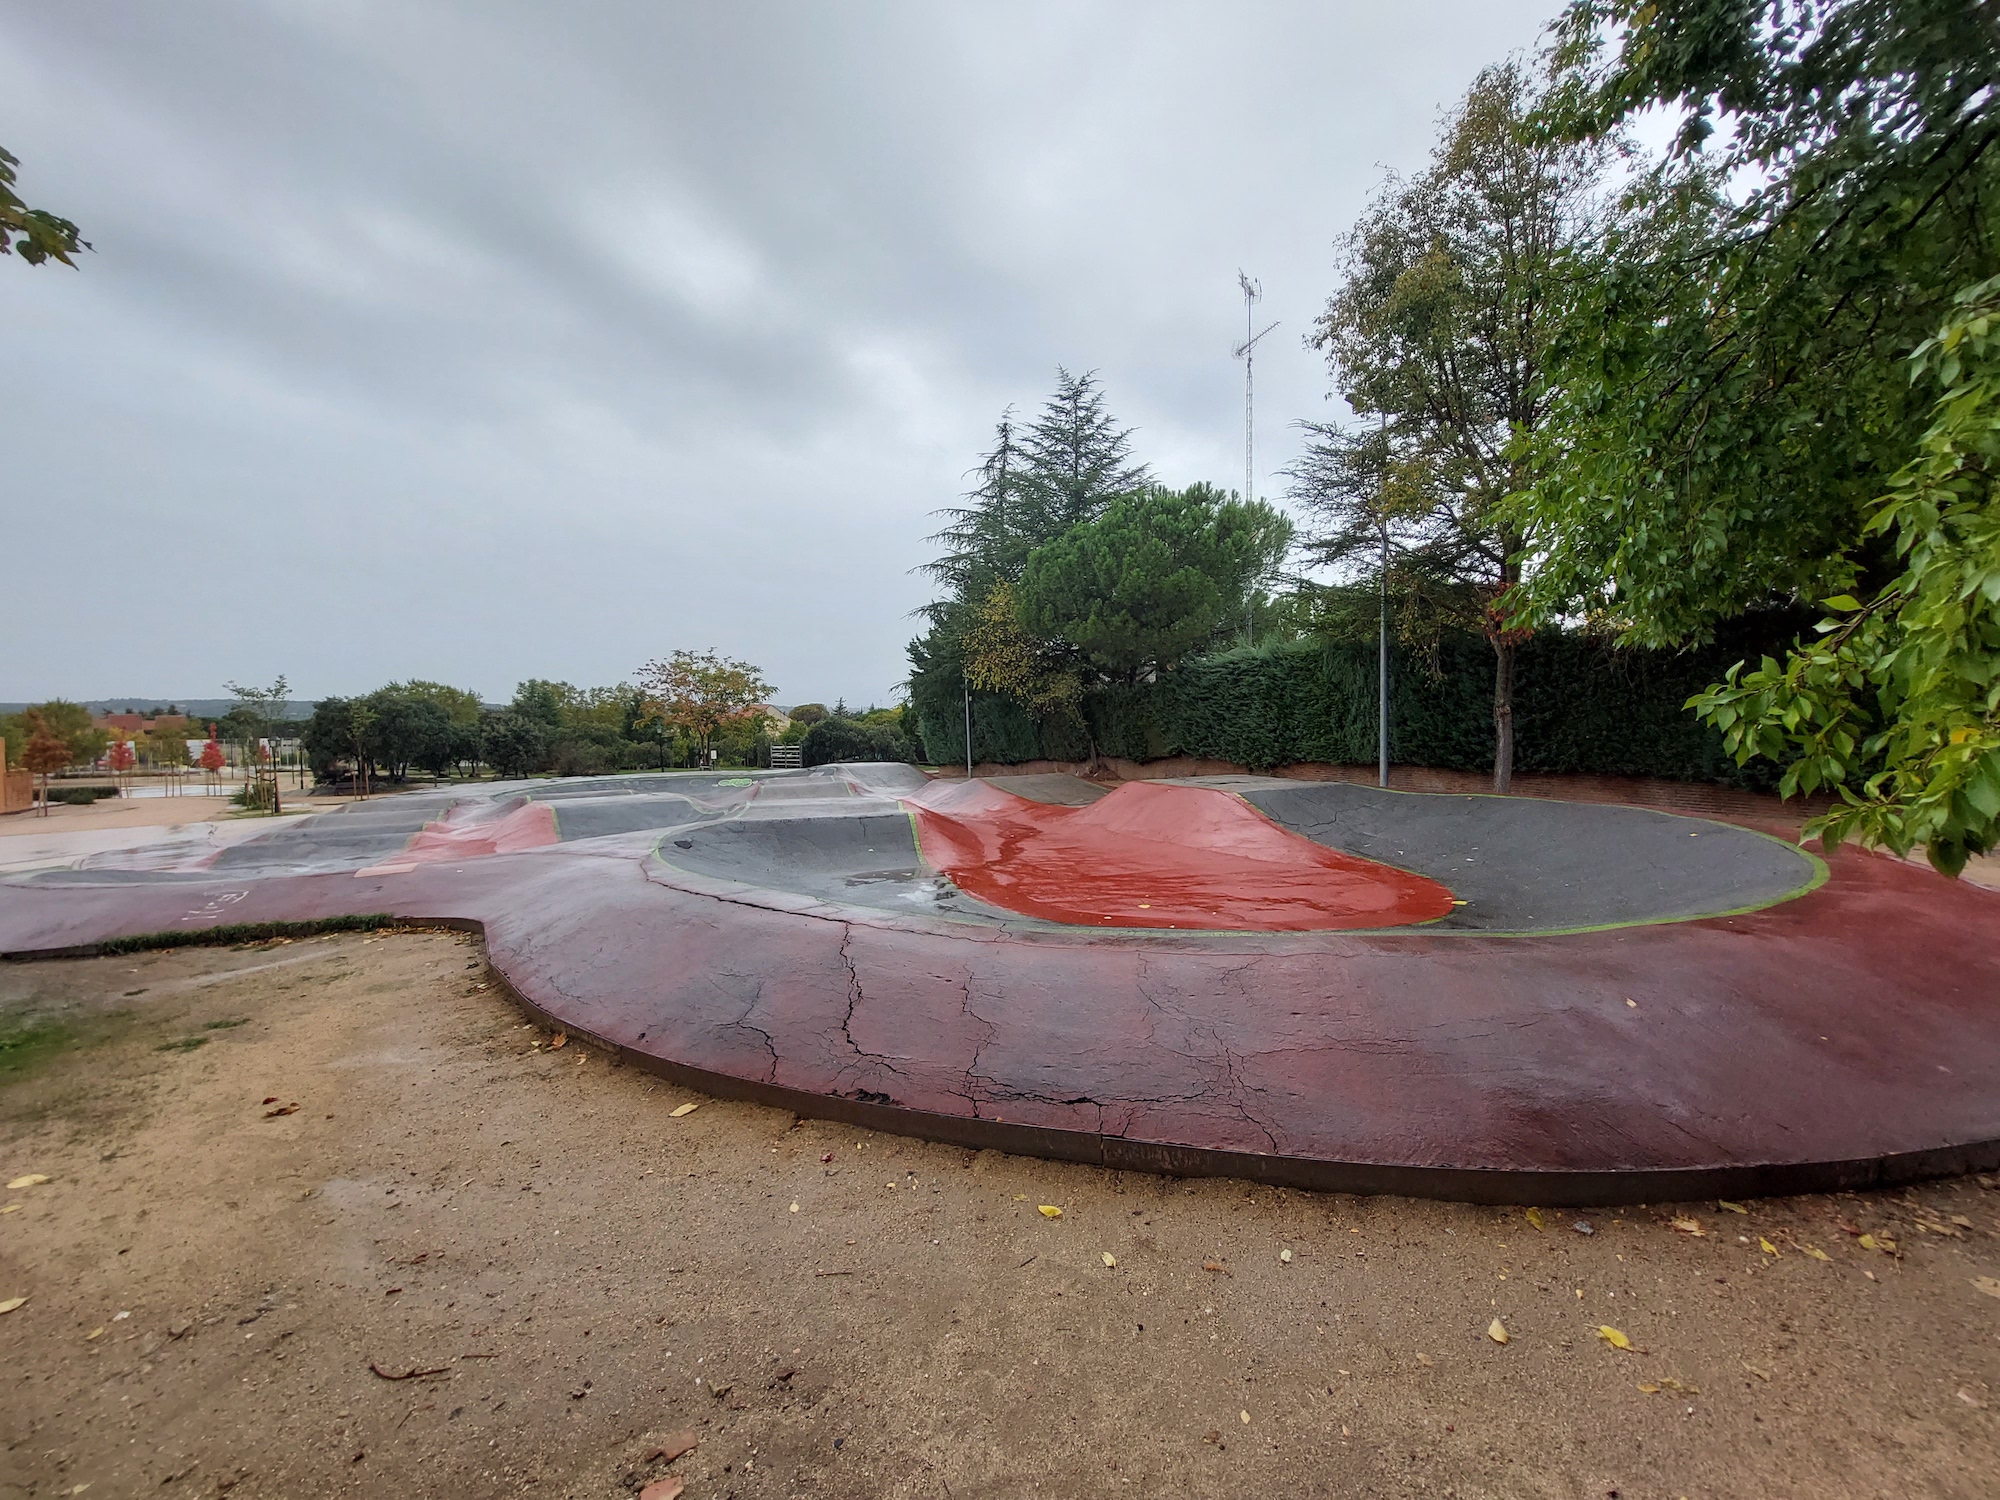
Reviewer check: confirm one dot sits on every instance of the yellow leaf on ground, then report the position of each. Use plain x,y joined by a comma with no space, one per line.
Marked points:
1814,1252
95,1333
1049,1211
1987,1284
1109,1258
1535,1217
10,1208
1651,1390
11,1303
685,1109
1497,1331
1612,1337
1244,1416
1735,1208
1867,1242
1767,1247
33,1179
1689,1226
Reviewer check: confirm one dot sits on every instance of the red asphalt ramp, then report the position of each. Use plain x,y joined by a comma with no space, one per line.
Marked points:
1159,856
473,833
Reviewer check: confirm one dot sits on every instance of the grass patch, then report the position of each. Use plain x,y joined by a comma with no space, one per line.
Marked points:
182,1044
226,1025
23,1048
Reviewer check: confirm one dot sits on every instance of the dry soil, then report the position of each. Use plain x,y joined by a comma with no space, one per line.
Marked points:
326,1218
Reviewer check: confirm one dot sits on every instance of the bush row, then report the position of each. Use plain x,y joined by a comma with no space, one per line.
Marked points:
1581,705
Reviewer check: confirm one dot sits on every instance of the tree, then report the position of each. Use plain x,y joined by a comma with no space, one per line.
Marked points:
45,753
1734,410
515,745
34,234
122,758
1075,459
212,759
1154,576
547,703
700,693
1441,334
69,722
808,713
1897,704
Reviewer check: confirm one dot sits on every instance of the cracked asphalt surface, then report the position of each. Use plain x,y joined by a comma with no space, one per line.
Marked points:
569,1274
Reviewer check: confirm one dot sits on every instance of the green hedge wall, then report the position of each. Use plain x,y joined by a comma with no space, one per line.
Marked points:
1580,705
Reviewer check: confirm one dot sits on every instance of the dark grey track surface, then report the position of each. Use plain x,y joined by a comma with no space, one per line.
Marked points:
839,835
1524,865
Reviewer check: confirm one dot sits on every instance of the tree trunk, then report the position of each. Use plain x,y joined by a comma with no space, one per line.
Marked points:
1503,716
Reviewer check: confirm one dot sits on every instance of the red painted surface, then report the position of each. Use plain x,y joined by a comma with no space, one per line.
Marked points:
1150,855
466,835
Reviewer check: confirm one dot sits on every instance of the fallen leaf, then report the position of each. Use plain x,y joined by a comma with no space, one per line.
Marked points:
674,1447
95,1333
1050,1211
1735,1208
1108,1258
1668,1383
10,1208
1767,1247
1244,1417
684,1109
11,1303
1690,1226
1961,1221
1285,1256
33,1179
1613,1337
1987,1284
1867,1242
1216,1265
1497,1331
282,1109
1535,1217
269,1099
560,1039
1814,1252
663,1489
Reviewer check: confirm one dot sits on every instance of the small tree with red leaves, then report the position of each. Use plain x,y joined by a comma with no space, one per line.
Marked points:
122,760
212,758
46,753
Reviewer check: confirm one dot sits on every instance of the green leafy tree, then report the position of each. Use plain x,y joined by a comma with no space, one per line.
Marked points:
1156,575
515,744
1440,339
34,234
1734,419
69,722
701,693
547,703
1897,703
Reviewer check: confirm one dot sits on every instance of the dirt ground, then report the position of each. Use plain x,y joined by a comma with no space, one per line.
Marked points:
227,1294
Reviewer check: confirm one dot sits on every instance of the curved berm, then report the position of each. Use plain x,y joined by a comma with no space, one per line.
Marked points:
1318,984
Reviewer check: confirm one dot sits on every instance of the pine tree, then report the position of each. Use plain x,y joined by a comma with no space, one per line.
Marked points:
1077,459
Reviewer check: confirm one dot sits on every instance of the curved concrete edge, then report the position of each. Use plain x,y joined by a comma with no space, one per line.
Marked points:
1555,1189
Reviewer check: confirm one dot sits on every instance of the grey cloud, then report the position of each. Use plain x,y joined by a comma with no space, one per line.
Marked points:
478,341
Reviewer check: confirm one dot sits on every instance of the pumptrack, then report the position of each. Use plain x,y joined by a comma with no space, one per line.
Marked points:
1316,984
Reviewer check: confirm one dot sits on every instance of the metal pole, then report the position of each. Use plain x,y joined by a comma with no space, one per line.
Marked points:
1382,673
967,684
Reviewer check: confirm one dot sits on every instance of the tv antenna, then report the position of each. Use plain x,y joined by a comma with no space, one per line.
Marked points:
1253,292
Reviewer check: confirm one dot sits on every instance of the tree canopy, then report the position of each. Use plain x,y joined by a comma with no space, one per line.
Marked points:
34,234
1733,418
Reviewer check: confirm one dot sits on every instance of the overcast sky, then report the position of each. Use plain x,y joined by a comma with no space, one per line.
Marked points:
478,341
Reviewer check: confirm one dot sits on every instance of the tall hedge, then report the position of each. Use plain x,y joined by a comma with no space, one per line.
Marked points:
1580,705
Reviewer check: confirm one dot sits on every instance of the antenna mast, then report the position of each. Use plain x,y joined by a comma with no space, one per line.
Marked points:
1253,292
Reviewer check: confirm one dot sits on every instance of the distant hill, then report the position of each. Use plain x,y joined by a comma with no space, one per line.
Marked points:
194,708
